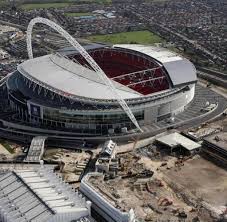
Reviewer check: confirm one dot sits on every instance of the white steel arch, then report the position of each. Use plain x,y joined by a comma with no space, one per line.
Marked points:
88,58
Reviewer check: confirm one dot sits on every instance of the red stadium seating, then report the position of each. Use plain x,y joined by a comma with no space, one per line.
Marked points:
116,63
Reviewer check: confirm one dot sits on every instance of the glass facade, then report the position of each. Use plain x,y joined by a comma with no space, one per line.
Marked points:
86,124
88,119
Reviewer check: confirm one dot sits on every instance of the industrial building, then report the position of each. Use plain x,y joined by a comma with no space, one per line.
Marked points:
215,147
179,143
37,194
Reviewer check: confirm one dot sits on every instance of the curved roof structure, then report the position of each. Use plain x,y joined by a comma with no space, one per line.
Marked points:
181,71
68,78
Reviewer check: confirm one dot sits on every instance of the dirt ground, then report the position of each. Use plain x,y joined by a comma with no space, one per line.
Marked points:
203,179
198,188
151,197
71,164
145,197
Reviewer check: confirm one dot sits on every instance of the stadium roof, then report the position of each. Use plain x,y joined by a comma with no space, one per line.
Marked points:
71,50
39,195
181,71
70,78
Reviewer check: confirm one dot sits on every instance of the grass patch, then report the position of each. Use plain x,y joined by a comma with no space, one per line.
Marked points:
77,14
157,0
59,4
3,3
137,37
45,5
95,1
7,146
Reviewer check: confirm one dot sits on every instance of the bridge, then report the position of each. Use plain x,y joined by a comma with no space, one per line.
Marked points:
36,149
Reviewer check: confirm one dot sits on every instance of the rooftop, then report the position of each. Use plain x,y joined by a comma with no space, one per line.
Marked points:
219,139
70,78
175,139
39,195
181,71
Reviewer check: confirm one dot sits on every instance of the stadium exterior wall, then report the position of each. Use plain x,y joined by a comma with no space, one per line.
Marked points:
157,110
169,106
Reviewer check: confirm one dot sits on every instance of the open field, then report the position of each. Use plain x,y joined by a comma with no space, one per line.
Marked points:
45,5
100,1
77,14
5,145
93,1
203,179
156,0
2,2
140,37
62,4
3,150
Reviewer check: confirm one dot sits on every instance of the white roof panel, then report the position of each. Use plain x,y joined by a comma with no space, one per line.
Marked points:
175,139
55,200
181,71
71,78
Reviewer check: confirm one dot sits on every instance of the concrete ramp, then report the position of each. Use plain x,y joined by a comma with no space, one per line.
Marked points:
36,149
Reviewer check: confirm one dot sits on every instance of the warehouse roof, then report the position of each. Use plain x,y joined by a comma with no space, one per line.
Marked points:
39,195
175,139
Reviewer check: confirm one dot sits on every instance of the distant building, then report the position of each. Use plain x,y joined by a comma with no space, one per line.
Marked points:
3,55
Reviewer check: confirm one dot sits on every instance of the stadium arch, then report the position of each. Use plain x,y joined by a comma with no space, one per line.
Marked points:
86,56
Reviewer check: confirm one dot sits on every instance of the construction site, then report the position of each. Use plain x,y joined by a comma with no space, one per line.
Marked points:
173,176
10,151
71,164
161,187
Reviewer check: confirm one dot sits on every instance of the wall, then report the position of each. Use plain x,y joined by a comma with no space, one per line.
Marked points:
104,208
171,105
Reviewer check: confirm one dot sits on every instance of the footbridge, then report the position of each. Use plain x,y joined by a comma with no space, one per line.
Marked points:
36,149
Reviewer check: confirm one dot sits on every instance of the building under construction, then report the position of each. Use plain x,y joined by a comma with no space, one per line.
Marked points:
215,147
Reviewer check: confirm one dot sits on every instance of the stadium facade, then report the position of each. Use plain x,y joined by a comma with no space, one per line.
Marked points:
63,93
155,84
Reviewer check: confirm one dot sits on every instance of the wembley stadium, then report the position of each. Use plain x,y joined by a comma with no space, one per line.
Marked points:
62,95
63,92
